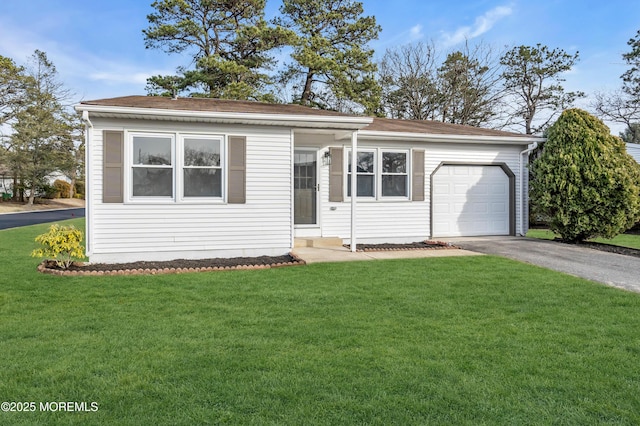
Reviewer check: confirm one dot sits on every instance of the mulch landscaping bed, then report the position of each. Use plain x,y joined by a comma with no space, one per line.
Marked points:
420,245
171,267
609,248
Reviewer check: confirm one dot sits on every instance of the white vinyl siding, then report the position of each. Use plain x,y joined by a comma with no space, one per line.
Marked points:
385,219
393,220
160,231
634,150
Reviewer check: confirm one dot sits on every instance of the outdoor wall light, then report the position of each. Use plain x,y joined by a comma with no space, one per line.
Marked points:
326,158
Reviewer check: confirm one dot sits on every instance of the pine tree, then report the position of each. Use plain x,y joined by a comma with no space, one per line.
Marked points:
332,66
230,42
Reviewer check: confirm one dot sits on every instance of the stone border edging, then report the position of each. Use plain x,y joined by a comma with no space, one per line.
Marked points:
436,245
155,271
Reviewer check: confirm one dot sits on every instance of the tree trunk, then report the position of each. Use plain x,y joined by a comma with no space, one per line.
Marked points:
306,93
73,185
32,195
14,190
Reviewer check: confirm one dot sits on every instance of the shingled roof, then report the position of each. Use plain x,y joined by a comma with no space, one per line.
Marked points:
209,105
251,107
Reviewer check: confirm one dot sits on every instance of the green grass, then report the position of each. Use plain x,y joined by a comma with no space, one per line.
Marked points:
465,340
623,240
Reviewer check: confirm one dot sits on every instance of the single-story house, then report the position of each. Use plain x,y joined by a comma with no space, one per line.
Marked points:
199,178
634,150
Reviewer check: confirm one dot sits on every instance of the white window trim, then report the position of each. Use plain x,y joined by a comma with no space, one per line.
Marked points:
347,164
177,165
407,173
377,152
128,175
223,168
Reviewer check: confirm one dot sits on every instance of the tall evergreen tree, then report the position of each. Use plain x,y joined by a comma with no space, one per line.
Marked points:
230,43
11,88
533,77
332,65
41,141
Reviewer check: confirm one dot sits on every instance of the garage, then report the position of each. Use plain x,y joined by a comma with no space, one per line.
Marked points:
471,200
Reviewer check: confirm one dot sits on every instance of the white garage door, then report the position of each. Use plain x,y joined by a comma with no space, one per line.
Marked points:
470,201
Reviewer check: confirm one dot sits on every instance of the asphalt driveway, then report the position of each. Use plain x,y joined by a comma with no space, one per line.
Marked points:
609,268
14,220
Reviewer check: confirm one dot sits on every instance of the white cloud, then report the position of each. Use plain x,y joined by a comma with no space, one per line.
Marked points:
415,32
82,71
481,25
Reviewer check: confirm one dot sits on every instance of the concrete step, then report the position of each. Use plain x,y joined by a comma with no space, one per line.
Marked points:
318,242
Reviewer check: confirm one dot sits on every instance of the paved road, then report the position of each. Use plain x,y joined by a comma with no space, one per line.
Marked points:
14,220
609,268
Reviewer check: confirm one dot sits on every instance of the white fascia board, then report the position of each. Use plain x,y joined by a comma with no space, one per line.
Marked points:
292,120
433,137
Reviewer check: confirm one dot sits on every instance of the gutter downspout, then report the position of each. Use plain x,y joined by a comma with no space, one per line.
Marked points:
354,187
521,197
88,185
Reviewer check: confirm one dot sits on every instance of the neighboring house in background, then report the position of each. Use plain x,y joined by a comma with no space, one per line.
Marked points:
634,150
6,181
198,178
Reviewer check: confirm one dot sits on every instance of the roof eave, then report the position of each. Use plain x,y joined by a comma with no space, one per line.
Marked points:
435,137
289,120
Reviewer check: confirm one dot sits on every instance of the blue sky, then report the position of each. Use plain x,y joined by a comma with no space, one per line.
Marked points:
98,47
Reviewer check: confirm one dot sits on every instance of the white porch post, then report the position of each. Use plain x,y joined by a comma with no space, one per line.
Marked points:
354,187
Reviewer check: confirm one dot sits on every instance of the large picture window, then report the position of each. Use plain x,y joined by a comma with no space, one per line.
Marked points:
202,169
152,166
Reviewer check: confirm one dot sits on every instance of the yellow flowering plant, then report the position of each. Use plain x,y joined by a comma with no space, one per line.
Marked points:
61,244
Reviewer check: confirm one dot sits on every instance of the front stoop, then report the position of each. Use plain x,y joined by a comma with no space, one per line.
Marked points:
318,242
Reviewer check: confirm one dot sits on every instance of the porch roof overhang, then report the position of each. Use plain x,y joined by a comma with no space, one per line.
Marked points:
309,121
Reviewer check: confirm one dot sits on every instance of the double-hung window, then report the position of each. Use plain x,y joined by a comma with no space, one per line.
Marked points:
366,162
395,177
381,173
177,167
152,165
202,166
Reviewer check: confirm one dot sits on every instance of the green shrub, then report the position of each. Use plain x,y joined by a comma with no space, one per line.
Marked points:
62,188
80,188
584,181
61,244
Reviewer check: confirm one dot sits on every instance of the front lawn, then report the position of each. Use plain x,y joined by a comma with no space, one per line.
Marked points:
622,240
460,340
